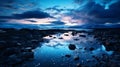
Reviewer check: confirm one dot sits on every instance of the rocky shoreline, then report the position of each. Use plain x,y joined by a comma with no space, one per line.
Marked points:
17,46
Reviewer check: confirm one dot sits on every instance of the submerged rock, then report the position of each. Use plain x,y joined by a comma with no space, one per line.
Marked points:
72,47
68,55
76,58
91,49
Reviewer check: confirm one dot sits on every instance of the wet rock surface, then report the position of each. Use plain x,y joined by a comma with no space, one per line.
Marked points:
108,37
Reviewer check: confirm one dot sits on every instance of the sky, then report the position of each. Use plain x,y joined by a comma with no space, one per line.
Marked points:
59,13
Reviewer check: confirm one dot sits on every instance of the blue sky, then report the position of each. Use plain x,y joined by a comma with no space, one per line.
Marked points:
59,13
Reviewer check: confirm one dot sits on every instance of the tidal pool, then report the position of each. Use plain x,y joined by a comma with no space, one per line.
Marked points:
55,51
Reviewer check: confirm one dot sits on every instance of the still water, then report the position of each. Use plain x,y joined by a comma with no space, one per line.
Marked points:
56,51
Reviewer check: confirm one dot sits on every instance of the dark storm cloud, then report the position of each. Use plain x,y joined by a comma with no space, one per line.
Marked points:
26,15
102,16
58,23
8,7
95,13
6,17
100,12
6,2
32,14
3,21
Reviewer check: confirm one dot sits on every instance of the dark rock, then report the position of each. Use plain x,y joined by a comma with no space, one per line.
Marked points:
78,65
76,39
91,49
2,45
66,34
19,44
10,51
54,37
2,31
35,41
82,35
96,58
13,59
76,58
74,33
50,35
60,38
72,47
68,55
27,55
85,48
88,60
27,49
41,40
